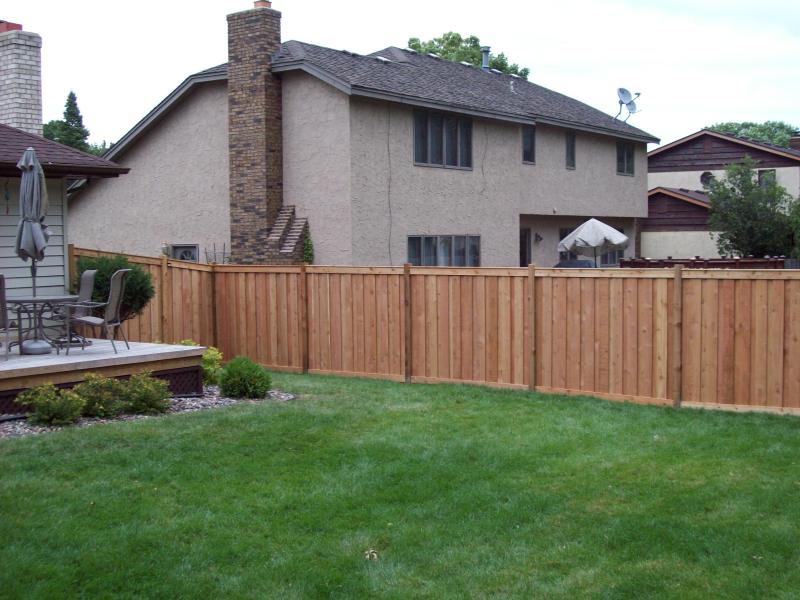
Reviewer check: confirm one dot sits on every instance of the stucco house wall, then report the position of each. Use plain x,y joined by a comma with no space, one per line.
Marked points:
316,163
678,244
788,177
393,198
51,274
179,176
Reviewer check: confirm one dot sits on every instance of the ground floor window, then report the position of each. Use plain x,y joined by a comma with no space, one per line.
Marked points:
444,250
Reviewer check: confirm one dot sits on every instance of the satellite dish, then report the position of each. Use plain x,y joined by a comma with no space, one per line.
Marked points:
626,99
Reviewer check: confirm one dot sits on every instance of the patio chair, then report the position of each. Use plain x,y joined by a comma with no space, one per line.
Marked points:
80,309
5,327
110,320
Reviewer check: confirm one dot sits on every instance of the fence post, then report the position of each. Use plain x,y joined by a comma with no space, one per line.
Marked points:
677,337
532,328
304,316
214,319
407,321
166,293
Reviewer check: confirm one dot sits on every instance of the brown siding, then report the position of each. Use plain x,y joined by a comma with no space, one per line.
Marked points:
708,153
666,213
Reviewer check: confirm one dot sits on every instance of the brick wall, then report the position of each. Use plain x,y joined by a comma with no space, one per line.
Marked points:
254,129
21,80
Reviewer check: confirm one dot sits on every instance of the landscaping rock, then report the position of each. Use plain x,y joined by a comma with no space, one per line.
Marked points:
210,399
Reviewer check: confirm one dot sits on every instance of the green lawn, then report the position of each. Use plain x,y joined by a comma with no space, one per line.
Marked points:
462,491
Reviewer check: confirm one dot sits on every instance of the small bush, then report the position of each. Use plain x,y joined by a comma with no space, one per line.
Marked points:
52,406
139,288
144,394
103,396
211,363
242,378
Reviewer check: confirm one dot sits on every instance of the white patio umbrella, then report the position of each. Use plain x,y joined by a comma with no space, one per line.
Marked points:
592,238
32,234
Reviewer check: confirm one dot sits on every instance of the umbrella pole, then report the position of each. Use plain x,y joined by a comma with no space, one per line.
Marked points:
33,275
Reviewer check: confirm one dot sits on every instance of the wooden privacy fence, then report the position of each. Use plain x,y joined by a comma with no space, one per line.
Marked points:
712,338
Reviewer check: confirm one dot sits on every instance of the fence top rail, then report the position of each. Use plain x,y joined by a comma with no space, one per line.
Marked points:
611,273
257,268
332,270
488,271
793,274
134,258
191,266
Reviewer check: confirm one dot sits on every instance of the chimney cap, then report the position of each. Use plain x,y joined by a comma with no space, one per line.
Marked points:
9,26
262,4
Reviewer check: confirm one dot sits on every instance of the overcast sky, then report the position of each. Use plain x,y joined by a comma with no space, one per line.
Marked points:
695,62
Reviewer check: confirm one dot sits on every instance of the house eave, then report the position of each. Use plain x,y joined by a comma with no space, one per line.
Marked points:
154,115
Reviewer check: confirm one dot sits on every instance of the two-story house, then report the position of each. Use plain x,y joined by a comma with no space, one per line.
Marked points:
677,220
386,158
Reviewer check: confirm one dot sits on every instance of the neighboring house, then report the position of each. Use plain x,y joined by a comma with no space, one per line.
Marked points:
60,164
676,225
386,158
677,221
21,128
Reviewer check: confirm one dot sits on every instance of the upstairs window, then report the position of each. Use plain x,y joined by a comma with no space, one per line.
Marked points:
766,177
570,144
529,144
444,250
442,140
625,154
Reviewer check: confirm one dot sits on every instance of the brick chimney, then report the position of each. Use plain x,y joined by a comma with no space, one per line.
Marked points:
20,78
794,141
254,130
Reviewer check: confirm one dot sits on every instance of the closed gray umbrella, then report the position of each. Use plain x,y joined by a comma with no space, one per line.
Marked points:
32,234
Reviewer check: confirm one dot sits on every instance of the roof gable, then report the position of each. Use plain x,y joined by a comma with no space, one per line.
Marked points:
56,159
708,150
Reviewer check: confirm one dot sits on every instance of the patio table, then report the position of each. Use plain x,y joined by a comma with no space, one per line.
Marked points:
34,308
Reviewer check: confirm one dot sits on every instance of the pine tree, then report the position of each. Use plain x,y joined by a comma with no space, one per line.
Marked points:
69,130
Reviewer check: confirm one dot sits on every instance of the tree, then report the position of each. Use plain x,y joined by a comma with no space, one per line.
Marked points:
751,216
70,130
452,46
772,132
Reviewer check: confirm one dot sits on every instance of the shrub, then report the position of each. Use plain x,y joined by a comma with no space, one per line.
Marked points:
103,396
144,394
242,378
308,249
139,288
211,363
52,406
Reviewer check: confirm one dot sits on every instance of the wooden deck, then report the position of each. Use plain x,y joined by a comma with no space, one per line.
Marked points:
178,365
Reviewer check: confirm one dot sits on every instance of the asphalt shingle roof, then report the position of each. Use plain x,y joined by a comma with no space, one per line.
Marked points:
697,195
423,77
56,159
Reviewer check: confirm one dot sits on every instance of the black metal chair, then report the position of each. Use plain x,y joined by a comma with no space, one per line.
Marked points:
110,321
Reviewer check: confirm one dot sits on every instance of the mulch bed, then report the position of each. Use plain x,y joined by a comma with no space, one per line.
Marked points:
210,399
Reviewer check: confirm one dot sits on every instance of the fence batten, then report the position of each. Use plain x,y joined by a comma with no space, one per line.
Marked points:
681,337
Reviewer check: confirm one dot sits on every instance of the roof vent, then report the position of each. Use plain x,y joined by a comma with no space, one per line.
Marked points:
466,64
410,50
485,57
515,76
496,71
434,55
383,59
